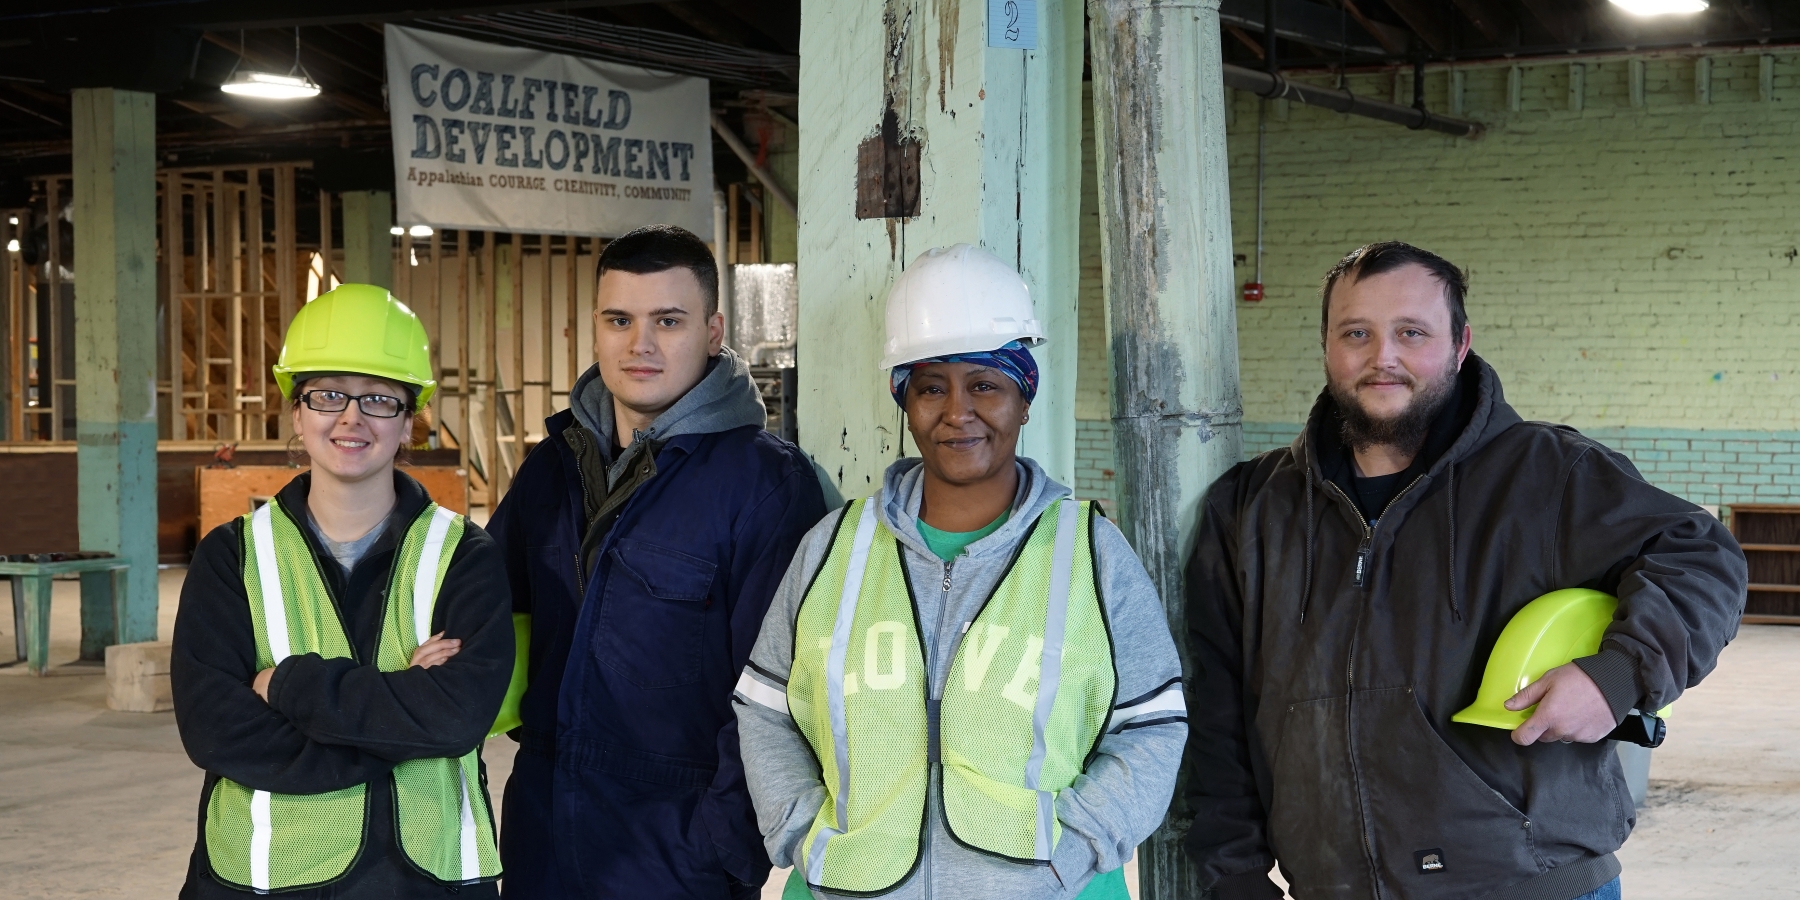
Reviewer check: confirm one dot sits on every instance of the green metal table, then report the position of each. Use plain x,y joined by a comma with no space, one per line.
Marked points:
103,594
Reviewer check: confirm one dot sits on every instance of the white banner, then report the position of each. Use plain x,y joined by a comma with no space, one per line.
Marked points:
511,139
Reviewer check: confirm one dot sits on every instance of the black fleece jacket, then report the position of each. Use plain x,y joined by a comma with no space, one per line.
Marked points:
1320,702
334,723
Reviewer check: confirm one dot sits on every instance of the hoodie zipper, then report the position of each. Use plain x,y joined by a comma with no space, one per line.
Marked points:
937,697
1364,561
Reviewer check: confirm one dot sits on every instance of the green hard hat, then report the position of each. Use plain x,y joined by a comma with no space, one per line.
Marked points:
357,329
1554,629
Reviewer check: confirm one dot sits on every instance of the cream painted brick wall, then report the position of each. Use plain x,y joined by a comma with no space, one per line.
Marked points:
1093,387
1630,267
1634,269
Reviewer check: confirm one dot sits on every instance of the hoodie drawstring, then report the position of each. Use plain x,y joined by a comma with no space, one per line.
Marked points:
1450,492
1307,588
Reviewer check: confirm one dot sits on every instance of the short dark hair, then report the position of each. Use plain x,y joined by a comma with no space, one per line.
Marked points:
659,248
1386,256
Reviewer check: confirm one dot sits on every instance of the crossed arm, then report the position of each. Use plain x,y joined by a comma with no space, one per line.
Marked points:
312,724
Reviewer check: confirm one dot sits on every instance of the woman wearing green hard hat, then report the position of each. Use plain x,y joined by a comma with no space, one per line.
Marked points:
965,686
341,651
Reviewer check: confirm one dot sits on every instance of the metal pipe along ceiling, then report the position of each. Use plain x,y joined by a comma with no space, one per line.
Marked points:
1275,87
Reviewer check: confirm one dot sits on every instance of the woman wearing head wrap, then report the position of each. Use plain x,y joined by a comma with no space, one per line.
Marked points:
965,686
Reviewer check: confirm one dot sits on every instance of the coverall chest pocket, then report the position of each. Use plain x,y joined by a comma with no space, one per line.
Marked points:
652,624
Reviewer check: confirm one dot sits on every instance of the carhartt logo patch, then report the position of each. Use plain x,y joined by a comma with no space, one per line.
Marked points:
1430,861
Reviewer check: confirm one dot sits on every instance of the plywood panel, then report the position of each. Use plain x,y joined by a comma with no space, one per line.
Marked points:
226,494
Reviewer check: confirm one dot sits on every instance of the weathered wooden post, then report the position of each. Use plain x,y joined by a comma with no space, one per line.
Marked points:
114,148
922,130
1159,113
368,243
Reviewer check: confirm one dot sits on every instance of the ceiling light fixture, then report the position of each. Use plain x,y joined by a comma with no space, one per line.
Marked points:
297,84
1661,7
420,231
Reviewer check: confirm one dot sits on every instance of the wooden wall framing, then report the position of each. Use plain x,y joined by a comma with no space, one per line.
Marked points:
232,271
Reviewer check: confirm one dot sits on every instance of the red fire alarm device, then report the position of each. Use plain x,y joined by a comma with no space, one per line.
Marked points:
1253,292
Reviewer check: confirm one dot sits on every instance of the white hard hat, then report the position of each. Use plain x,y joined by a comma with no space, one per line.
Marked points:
957,299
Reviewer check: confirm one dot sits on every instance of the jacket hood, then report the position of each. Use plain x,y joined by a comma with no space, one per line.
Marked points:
725,398
903,491
1491,416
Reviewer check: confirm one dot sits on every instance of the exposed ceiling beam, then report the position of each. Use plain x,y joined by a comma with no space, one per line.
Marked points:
1495,22
709,26
1563,24
1751,13
1427,20
33,113
234,14
1393,40
778,21
369,66
219,112
1245,39
1311,24
315,131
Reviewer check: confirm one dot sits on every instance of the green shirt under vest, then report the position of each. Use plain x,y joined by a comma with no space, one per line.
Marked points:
948,545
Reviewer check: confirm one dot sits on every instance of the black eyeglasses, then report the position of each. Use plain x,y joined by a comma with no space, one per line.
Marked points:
379,406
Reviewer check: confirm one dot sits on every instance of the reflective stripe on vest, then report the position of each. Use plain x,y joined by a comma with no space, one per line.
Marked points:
274,842
1027,696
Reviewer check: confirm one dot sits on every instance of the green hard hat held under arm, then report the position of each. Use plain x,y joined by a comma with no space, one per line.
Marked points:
1551,631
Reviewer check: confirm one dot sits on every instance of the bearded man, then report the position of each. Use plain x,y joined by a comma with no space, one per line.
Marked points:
1344,594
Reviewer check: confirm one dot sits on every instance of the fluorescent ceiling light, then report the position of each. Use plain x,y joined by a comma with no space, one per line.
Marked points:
1660,7
297,84
269,86
421,231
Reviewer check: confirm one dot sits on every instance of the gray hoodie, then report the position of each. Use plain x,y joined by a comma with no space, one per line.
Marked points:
725,398
1110,808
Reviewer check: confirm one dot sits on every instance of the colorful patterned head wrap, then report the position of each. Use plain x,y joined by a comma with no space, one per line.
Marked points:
1013,360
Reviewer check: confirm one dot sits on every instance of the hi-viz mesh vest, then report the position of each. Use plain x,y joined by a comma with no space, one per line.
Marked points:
1028,694
276,842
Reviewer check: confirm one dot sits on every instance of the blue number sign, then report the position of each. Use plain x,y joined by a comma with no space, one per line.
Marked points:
1012,23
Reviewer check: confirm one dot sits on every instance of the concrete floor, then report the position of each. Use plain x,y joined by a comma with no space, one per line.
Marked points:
99,804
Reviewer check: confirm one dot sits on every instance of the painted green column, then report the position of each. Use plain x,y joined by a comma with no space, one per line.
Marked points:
1165,239
114,136
368,238
997,132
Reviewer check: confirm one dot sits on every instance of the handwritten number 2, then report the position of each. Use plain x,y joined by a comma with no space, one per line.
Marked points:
1012,20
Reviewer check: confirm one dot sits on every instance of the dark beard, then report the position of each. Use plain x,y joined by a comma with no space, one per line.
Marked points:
1405,432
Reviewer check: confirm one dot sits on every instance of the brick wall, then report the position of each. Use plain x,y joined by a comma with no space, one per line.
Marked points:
1633,268
1710,467
1094,474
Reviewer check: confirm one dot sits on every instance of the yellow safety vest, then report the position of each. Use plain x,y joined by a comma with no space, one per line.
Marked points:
265,841
1027,697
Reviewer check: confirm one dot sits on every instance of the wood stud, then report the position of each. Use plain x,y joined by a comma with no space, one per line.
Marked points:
233,277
